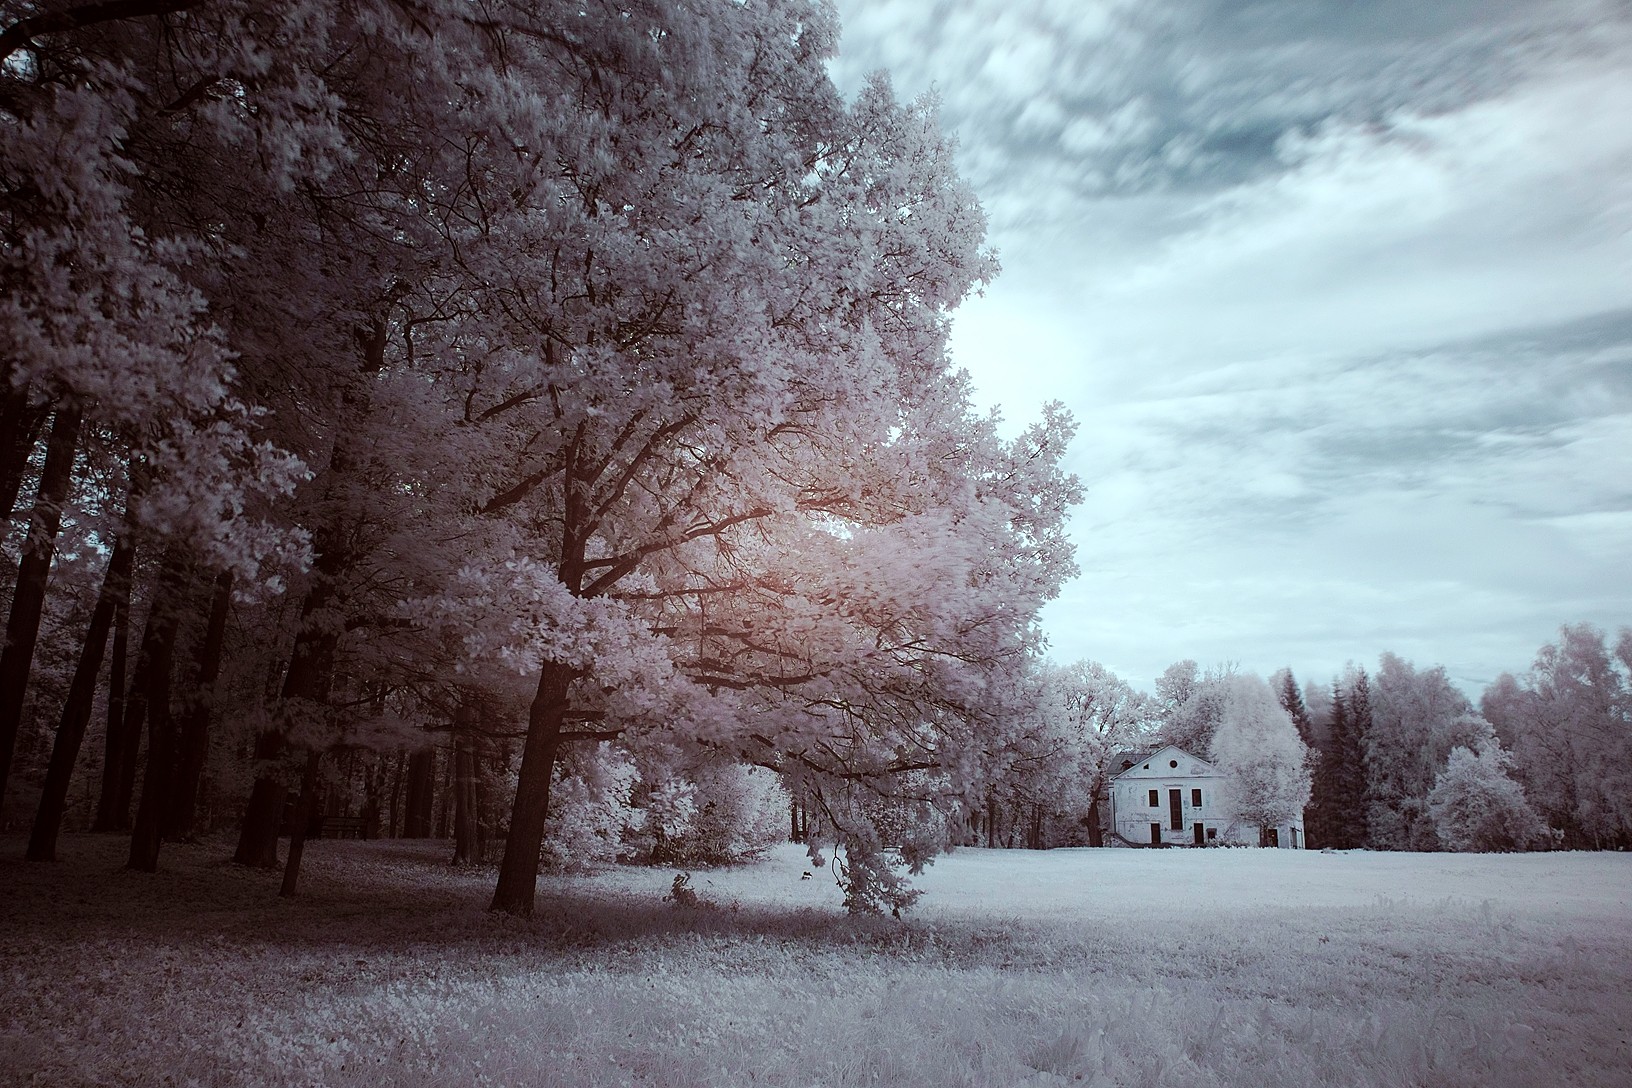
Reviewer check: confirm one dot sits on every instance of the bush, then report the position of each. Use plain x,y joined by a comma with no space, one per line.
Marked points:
590,807
1476,806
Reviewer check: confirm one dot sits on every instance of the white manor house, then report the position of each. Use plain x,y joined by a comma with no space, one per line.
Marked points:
1172,798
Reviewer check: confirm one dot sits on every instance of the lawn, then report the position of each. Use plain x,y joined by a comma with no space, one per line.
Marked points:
1083,967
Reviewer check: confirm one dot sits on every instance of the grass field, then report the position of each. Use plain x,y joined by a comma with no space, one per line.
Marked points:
1075,967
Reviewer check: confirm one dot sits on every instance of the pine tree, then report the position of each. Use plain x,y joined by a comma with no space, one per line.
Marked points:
1291,700
1357,790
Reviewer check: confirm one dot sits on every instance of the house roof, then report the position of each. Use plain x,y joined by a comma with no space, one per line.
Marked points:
1138,761
1126,758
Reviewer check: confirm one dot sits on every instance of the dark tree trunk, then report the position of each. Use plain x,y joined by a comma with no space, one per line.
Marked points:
373,788
1096,834
159,778
793,820
76,712
445,796
311,669
396,795
467,848
119,747
417,810
195,724
991,822
135,715
20,427
518,872
305,807
33,571
258,838
135,721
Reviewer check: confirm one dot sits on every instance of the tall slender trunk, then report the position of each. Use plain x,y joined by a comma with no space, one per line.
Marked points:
311,663
305,808
466,833
134,724
19,430
518,872
118,748
418,808
135,717
76,712
195,723
159,778
311,668
373,787
395,826
445,797
33,571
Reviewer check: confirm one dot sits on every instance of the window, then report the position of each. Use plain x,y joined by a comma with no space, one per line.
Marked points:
1155,799
1172,763
1212,832
1195,798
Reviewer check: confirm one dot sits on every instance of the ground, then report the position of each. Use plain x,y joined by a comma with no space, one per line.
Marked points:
1094,967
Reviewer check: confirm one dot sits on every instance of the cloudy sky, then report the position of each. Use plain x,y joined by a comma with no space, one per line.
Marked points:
1340,294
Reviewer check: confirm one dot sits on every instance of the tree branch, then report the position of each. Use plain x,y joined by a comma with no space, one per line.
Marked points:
23,31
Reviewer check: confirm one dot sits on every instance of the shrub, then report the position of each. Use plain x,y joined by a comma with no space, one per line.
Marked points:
1476,806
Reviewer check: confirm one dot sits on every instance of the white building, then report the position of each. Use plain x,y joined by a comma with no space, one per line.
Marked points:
1170,797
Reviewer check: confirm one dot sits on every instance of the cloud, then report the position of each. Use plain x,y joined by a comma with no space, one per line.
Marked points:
1340,294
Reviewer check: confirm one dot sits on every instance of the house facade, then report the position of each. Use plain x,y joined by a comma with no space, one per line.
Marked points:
1172,798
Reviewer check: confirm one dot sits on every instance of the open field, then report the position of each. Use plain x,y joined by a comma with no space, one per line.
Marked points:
1109,967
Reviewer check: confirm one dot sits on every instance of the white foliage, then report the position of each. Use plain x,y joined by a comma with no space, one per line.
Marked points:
1258,749
1476,805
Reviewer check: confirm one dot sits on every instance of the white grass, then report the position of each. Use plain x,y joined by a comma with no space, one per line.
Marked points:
1109,967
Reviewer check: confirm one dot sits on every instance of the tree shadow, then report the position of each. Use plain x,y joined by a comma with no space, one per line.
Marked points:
402,896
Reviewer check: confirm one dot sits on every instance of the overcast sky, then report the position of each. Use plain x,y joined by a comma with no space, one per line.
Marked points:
1340,294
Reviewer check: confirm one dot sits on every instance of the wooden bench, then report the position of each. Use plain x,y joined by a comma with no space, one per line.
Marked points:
343,827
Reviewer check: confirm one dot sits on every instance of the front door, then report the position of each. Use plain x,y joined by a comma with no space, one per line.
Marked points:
1155,834
1175,809
1199,839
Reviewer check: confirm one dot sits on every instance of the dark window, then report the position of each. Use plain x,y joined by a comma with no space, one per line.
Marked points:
1212,832
1195,798
1155,799
1172,763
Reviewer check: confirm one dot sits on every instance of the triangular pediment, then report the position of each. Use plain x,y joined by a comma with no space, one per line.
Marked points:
1166,762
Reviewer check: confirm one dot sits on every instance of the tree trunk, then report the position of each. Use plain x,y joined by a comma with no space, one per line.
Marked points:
518,872
304,808
195,724
76,712
417,810
135,704
991,822
34,569
119,747
445,796
311,669
466,836
20,425
373,787
159,779
396,795
1096,834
